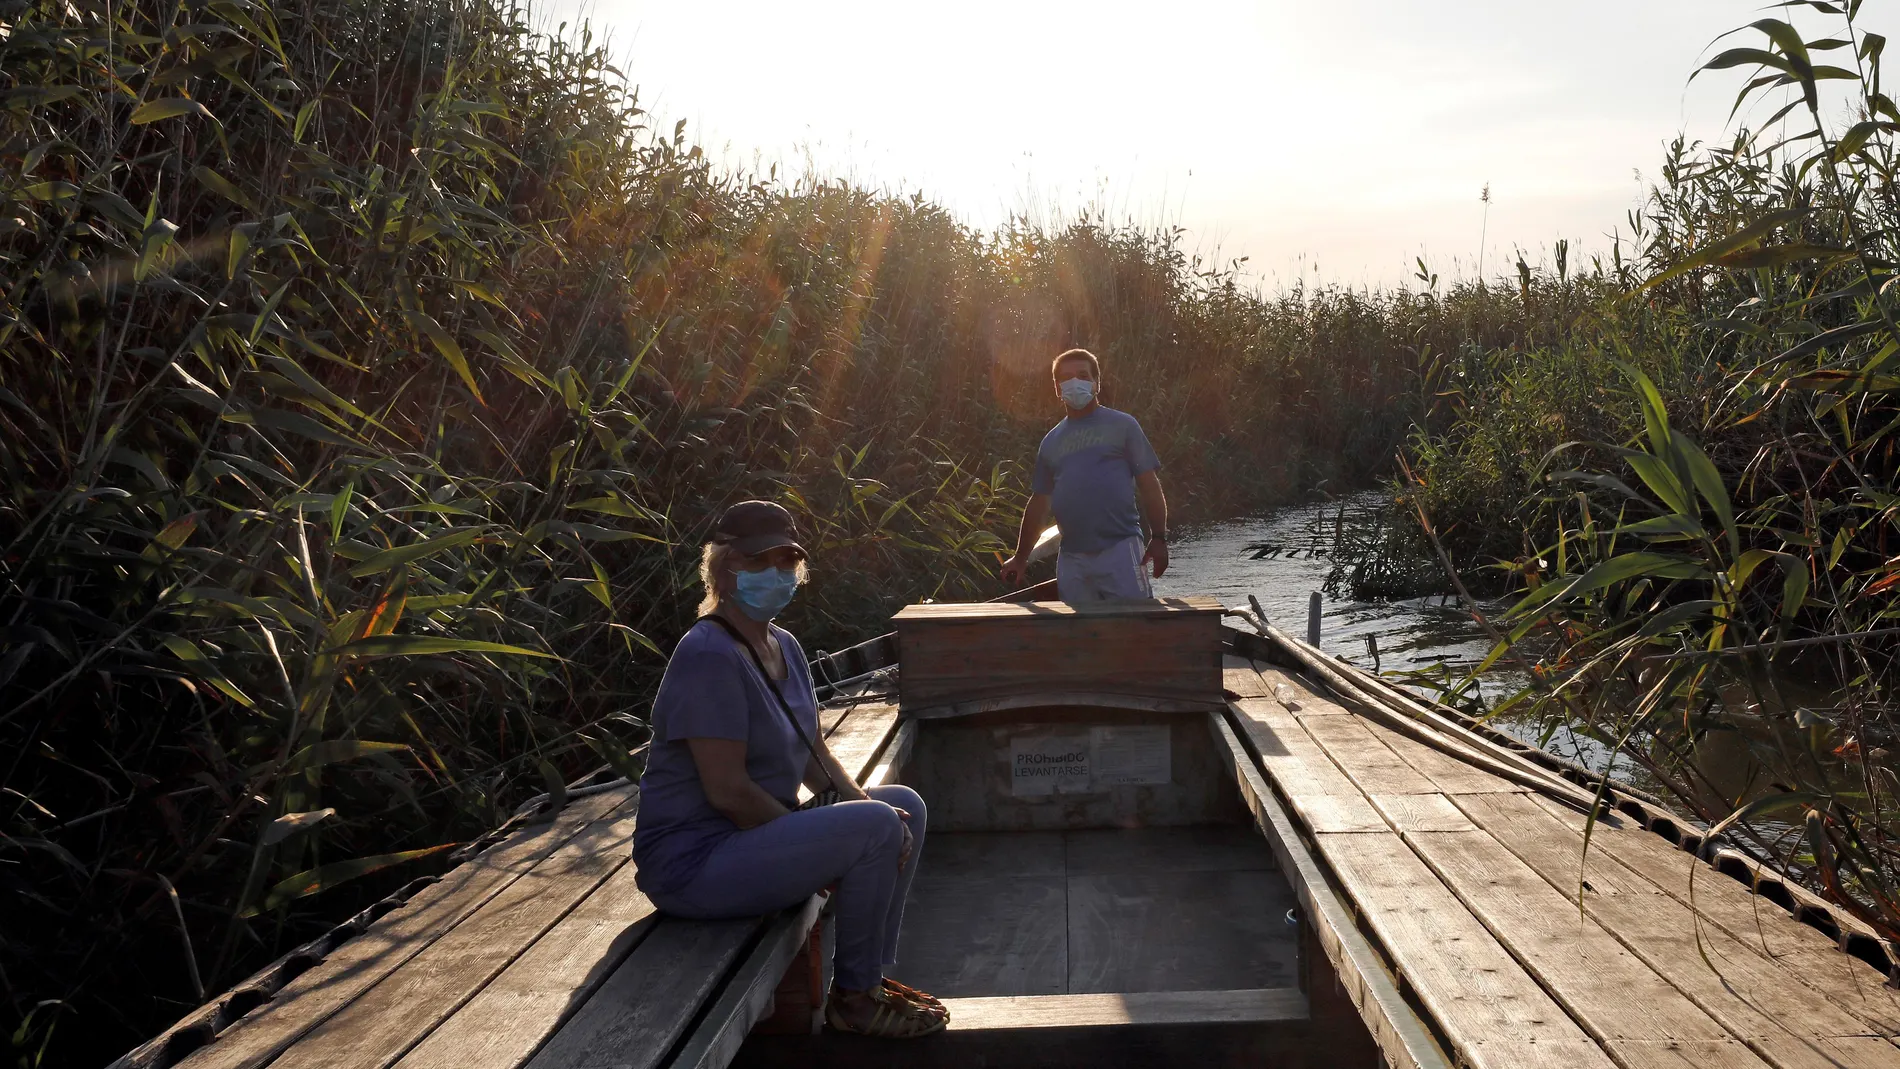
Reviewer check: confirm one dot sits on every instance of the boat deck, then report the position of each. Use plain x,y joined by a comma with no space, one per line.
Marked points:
1520,948
1454,899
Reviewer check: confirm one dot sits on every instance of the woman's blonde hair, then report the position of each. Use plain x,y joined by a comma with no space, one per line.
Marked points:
714,561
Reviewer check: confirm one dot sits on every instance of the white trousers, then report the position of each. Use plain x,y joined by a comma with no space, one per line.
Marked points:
1114,574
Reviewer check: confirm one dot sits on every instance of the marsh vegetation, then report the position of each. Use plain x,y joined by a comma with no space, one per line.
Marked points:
370,373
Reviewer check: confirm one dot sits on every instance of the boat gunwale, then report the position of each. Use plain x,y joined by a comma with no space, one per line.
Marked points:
1404,1035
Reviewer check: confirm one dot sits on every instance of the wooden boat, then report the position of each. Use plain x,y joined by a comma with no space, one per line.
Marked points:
1155,839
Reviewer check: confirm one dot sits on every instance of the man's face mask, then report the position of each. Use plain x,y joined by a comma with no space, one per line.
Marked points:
1077,393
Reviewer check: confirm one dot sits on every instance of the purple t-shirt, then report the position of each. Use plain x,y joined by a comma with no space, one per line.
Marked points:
1087,464
712,690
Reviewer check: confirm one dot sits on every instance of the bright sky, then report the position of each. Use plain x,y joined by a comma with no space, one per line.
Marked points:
1328,140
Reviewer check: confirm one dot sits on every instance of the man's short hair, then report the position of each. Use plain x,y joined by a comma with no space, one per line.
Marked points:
1095,366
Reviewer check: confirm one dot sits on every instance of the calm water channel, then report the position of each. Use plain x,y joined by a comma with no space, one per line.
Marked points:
1225,560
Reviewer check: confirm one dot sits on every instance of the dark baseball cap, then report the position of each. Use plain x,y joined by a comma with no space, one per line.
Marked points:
752,527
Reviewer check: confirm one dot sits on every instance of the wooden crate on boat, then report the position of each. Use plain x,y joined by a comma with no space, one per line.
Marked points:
1161,653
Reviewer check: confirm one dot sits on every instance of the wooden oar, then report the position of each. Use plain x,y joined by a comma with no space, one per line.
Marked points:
1047,544
1441,735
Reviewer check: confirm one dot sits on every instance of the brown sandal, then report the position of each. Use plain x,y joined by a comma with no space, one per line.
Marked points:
894,1016
916,997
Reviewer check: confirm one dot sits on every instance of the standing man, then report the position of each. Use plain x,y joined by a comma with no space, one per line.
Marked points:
1091,468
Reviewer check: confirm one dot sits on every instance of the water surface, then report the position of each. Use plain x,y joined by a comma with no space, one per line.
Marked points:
1226,560
1216,560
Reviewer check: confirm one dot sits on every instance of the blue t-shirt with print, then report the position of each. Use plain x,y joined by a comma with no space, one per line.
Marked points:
1087,465
713,690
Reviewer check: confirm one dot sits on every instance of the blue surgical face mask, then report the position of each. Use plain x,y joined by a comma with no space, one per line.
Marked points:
765,593
1077,393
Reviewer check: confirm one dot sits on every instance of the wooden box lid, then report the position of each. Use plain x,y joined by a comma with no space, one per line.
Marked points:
1161,654
1027,610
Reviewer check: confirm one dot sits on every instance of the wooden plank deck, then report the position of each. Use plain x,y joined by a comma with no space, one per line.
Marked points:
1456,899
1525,950
539,951
1099,911
391,943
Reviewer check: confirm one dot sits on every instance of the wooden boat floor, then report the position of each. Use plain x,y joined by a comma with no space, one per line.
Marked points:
1521,948
1104,911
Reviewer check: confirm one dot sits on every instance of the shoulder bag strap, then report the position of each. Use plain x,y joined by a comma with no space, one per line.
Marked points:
772,684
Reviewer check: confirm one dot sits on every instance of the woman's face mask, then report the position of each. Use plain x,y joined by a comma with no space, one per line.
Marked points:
1077,393
765,593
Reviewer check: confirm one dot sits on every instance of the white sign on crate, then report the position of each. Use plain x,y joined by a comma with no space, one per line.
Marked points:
1121,756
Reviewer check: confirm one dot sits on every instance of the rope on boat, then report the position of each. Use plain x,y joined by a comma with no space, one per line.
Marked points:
866,678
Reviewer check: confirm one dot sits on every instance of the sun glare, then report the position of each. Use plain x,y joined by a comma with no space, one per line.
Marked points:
1324,142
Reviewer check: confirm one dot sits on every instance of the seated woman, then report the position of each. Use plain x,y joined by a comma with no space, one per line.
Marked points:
735,731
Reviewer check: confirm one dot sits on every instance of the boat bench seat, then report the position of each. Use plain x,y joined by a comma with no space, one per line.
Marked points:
538,951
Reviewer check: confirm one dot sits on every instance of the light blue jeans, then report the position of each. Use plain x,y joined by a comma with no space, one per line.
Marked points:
785,861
